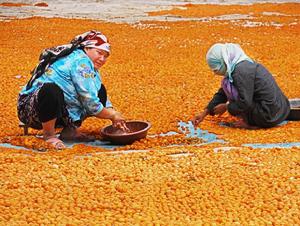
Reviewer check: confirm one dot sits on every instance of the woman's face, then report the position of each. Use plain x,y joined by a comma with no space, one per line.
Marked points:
221,70
215,60
98,56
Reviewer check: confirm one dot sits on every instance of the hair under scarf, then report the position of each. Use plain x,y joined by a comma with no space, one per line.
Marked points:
223,58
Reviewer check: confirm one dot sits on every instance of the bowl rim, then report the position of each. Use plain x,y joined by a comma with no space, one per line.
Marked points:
129,134
294,104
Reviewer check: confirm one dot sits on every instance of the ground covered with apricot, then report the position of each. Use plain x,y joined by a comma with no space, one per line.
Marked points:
156,72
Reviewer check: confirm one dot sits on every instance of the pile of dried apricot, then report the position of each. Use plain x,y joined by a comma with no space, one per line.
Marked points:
156,72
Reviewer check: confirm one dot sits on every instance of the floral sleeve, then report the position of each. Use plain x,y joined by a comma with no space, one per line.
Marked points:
83,77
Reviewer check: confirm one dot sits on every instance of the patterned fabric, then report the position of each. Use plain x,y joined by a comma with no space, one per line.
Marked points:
230,91
79,81
222,58
96,40
49,56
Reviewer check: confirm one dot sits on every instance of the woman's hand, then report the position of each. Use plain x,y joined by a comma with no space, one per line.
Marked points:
119,122
116,118
199,118
220,109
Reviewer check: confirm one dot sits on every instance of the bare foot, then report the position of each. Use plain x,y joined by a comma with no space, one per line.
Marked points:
243,125
56,143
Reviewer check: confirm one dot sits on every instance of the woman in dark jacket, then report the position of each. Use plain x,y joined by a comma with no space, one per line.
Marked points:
248,90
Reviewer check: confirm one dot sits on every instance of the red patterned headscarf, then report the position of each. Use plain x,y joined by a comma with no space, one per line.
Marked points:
93,39
96,39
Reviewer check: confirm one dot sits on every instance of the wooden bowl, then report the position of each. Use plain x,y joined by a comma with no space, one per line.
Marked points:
138,130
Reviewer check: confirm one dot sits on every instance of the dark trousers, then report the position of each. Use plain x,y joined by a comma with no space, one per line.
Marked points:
51,102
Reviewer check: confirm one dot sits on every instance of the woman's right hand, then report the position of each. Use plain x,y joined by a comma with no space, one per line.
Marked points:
199,118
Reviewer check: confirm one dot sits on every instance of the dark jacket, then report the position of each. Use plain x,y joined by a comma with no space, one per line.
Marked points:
261,102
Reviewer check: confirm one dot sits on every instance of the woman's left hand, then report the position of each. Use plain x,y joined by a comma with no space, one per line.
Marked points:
121,124
220,109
